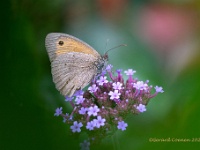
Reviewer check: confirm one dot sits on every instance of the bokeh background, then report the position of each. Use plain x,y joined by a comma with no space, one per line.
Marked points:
163,47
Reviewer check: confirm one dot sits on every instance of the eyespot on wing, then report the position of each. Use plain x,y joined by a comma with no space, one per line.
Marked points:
59,43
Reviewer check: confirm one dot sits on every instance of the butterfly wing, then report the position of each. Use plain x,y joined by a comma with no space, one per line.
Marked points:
72,62
59,43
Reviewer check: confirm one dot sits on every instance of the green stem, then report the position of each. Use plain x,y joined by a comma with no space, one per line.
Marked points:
115,142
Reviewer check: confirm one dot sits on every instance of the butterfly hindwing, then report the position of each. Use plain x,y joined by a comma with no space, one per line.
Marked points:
73,71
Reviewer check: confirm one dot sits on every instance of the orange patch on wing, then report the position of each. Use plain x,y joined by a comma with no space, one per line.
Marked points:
71,45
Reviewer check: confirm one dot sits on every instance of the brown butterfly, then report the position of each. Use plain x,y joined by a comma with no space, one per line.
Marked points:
74,63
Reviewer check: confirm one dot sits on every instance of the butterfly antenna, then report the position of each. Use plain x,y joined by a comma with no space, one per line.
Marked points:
115,48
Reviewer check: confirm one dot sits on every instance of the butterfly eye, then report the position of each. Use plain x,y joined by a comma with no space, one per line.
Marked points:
60,43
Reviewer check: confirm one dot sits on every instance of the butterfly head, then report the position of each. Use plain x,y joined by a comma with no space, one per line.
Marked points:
101,63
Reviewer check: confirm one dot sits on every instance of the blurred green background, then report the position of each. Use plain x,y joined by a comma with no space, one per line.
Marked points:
163,47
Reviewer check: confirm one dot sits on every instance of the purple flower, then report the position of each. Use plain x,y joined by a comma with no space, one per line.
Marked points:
93,111
58,111
114,95
90,125
85,145
71,118
82,111
141,108
107,103
79,99
122,125
103,73
64,119
69,99
102,80
109,67
93,88
119,71
78,93
76,127
99,121
159,89
140,85
117,86
129,72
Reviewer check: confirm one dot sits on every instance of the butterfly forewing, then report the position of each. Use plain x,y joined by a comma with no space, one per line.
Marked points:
72,62
59,43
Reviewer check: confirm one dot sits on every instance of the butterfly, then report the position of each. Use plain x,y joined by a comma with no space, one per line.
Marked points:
74,63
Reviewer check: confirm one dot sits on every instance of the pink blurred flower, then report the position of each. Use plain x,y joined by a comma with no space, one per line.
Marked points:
165,25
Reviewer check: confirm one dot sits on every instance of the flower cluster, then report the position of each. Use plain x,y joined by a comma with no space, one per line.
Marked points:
105,104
